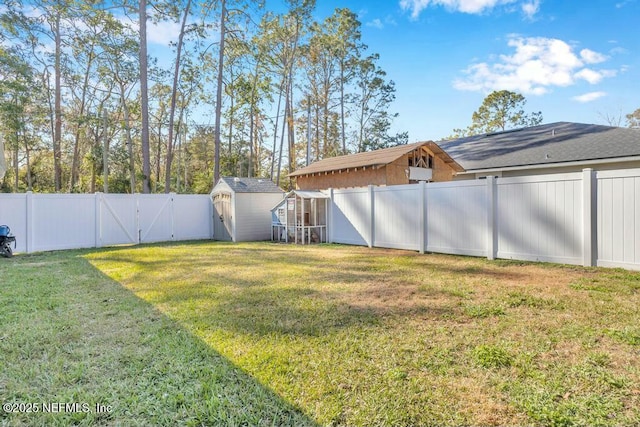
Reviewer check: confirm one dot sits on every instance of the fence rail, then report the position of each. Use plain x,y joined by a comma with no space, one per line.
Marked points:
583,218
43,222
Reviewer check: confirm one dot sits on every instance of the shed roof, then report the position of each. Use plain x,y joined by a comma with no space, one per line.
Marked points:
308,194
373,158
545,144
250,185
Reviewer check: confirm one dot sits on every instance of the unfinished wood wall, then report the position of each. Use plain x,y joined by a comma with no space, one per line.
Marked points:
343,179
394,173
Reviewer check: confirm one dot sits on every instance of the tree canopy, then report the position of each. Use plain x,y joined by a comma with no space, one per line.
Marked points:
633,119
500,110
243,91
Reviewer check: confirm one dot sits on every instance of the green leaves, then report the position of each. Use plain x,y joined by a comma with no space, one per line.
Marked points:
500,110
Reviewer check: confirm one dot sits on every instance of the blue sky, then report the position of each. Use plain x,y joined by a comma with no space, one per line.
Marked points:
571,62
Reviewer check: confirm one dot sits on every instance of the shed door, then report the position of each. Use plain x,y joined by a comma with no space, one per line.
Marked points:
222,216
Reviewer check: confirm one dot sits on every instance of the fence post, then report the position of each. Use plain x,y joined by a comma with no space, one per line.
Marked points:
173,228
372,217
138,229
98,220
422,188
330,220
29,222
589,225
491,218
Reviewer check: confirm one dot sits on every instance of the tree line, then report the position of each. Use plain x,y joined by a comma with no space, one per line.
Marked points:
85,106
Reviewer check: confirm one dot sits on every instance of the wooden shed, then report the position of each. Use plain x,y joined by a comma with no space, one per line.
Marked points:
242,208
403,164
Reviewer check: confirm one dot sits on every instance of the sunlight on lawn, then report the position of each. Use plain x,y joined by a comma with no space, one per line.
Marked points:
360,337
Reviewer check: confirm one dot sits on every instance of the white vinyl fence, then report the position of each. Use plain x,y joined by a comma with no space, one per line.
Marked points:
584,218
43,222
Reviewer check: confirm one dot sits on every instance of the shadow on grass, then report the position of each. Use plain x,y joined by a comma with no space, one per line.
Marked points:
85,338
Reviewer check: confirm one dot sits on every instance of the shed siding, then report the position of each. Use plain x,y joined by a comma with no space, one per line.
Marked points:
253,215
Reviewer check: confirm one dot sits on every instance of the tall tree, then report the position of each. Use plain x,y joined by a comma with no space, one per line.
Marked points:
633,119
174,97
144,98
500,110
372,100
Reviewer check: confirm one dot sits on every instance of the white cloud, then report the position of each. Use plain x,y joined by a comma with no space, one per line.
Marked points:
537,65
593,76
528,7
376,23
163,33
589,97
591,57
531,8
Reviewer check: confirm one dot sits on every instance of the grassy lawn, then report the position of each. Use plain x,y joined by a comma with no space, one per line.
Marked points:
259,333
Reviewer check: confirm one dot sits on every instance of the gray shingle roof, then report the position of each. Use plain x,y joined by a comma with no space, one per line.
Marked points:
545,144
251,185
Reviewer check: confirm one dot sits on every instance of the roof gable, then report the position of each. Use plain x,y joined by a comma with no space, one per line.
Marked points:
545,144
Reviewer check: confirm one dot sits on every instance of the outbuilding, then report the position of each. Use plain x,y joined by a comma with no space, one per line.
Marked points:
242,208
403,164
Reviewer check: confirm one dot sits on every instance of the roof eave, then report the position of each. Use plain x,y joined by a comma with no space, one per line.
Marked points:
554,165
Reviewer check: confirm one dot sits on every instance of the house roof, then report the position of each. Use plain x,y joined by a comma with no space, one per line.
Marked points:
548,144
373,158
250,185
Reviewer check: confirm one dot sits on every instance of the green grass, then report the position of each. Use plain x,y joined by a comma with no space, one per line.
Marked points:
259,333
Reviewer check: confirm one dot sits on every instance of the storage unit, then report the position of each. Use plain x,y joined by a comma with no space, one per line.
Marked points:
242,208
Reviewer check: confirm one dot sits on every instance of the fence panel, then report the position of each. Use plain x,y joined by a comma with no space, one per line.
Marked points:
155,217
192,217
456,217
13,212
618,213
397,217
351,216
63,221
118,219
540,218
43,222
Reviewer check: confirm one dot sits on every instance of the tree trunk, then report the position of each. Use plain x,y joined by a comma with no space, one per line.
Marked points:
57,132
275,132
75,163
127,128
144,99
216,157
174,95
28,160
342,125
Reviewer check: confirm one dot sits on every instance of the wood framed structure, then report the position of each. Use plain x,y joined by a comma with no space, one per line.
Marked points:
403,164
301,217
